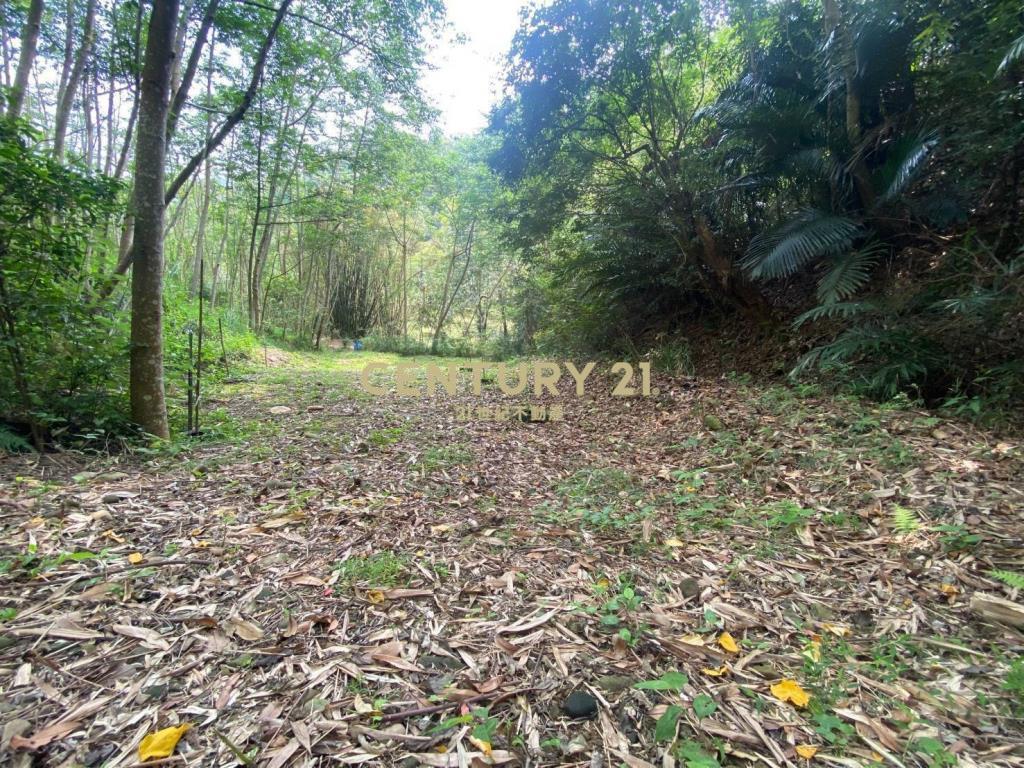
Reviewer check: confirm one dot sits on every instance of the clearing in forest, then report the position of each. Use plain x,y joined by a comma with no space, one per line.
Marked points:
331,578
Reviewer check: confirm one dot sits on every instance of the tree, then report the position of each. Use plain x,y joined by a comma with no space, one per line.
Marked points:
29,39
148,405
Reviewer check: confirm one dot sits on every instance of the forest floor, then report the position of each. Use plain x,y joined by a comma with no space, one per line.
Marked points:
719,574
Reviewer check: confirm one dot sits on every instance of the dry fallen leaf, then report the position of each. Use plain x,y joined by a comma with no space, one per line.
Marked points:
161,744
716,671
674,543
790,690
246,630
135,558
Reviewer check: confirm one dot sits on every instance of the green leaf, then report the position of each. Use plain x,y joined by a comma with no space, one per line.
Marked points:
670,681
695,757
704,706
665,730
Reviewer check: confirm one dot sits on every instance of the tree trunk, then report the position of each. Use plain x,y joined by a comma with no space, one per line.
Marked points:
182,89
149,409
194,286
67,96
29,38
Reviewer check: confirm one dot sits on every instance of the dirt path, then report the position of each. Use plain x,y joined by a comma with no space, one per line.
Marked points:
326,576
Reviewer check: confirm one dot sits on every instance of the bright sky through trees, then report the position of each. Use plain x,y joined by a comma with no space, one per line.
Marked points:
467,61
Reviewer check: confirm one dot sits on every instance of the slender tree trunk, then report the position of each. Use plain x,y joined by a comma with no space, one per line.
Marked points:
149,408
29,39
67,98
181,89
448,301
238,113
194,286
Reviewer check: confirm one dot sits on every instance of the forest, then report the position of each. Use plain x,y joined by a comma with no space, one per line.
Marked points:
232,534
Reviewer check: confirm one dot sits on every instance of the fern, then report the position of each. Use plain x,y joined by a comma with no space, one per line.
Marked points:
1013,580
904,520
847,273
809,236
12,443
1015,54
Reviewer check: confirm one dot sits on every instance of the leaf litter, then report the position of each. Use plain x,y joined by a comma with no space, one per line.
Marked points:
372,582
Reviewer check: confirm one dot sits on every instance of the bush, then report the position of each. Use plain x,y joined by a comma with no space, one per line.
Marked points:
62,346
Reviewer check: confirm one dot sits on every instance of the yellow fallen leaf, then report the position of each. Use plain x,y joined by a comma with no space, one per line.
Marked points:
715,672
692,640
483,746
806,751
111,535
726,641
674,543
162,743
790,690
838,630
813,651
135,558
375,596
602,582
949,589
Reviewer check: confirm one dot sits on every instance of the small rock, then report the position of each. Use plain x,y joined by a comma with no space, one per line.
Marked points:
314,409
430,661
689,587
820,611
115,497
280,410
614,683
111,477
580,704
99,755
438,683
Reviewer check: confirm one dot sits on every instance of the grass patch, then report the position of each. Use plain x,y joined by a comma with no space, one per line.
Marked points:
433,459
383,569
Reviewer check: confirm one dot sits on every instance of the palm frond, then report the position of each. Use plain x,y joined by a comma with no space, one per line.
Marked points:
904,166
846,273
843,309
1015,54
794,245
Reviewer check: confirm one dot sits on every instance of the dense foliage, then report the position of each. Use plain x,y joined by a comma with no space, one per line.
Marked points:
856,164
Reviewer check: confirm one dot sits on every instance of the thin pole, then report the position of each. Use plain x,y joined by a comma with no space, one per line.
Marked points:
199,356
188,378
223,349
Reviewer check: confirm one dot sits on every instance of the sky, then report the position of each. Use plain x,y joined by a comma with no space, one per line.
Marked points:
466,75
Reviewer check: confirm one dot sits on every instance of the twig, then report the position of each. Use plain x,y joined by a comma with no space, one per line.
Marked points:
161,761
406,714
